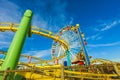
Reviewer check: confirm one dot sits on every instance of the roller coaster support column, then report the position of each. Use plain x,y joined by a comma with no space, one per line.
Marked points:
68,58
15,48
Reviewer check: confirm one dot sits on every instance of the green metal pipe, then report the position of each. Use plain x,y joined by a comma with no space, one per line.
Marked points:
68,58
16,46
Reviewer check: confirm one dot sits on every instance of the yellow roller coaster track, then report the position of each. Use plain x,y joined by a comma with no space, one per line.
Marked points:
55,72
6,26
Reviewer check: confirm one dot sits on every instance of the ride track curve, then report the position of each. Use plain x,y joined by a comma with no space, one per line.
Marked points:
35,30
6,26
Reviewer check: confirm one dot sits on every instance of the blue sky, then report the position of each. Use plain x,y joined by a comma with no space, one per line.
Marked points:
99,20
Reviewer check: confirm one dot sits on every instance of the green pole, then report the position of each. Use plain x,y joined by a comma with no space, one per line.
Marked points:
16,46
68,58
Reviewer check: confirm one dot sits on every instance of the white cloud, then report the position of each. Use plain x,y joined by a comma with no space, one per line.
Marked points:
1,36
107,26
4,44
9,12
6,35
101,28
51,19
54,18
39,21
110,25
98,38
71,21
94,37
44,54
104,45
5,39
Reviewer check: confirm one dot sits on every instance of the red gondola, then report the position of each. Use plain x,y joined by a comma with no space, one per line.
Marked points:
76,31
85,43
68,28
60,33
53,51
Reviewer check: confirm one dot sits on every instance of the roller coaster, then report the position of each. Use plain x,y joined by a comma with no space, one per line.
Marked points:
69,61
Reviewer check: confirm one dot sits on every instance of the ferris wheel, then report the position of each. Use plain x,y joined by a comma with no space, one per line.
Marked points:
71,35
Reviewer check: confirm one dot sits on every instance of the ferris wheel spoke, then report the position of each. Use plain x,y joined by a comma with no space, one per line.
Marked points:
75,49
59,51
72,55
73,52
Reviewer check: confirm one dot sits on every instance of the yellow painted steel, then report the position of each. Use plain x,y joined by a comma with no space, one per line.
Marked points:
56,75
91,76
73,28
102,61
86,73
49,73
54,72
40,33
8,26
35,76
39,59
46,67
35,30
77,26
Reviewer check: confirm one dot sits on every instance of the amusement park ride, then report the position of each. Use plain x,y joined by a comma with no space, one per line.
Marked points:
69,61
